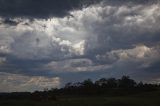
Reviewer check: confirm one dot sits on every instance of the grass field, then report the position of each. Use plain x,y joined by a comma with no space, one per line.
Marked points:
143,99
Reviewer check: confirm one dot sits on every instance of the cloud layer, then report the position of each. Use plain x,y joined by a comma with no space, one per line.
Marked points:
105,39
40,9
14,82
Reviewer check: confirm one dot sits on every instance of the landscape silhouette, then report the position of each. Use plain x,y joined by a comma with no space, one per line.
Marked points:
106,90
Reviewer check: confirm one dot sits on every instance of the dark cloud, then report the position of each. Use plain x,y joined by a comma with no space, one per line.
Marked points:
40,8
9,22
128,2
53,8
124,26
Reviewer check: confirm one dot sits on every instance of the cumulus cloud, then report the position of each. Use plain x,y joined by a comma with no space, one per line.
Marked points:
75,65
140,53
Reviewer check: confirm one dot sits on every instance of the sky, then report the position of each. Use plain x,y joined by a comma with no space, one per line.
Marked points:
47,43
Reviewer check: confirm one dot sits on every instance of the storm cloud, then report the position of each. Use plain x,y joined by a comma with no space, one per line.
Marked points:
75,40
40,9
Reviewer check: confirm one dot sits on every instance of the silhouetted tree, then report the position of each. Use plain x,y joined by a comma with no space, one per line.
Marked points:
87,83
107,83
101,82
112,83
126,82
68,85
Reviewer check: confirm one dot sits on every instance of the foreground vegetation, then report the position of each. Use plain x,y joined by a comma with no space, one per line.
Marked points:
143,99
103,92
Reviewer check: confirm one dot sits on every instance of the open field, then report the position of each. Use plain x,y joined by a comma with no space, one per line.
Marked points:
143,99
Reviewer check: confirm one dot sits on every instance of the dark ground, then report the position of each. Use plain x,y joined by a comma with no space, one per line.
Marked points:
141,99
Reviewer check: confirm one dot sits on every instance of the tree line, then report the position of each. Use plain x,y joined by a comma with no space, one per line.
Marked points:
111,87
